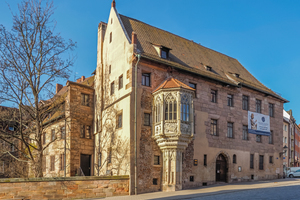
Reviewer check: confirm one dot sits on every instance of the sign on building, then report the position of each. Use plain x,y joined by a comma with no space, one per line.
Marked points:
258,123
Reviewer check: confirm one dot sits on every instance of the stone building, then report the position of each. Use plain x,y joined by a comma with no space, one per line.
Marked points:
173,114
68,130
287,140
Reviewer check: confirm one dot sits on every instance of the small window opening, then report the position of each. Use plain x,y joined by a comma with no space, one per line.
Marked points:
110,37
191,178
204,184
155,181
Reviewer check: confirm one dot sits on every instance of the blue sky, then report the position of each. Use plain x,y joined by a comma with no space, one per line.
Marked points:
264,35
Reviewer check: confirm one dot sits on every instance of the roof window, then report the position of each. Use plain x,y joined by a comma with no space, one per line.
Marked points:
162,51
208,68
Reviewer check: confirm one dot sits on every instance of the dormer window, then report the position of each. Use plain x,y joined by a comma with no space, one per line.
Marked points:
164,54
208,68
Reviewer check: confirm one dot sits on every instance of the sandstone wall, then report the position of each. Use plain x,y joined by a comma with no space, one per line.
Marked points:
64,188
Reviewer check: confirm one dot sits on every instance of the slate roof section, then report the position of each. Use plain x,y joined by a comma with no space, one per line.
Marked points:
190,56
172,83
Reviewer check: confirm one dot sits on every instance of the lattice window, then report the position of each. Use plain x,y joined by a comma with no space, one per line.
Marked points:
185,108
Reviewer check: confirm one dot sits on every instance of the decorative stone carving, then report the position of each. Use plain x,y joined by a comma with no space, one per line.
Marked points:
170,127
157,129
185,129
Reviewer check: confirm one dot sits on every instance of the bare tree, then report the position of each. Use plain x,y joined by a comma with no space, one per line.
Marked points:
32,57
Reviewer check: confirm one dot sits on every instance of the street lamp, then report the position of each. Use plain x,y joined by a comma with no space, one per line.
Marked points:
284,150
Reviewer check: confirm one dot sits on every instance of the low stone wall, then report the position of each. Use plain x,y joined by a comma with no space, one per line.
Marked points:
64,188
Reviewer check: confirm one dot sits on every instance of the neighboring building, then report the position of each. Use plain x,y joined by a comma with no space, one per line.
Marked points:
10,146
297,148
69,129
286,140
291,149
192,112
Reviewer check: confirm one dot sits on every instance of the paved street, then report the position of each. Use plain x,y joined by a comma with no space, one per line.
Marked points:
277,189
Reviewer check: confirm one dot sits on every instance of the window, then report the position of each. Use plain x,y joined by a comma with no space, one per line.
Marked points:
245,103
213,127
245,132
11,128
208,68
192,85
52,163
230,130
99,159
63,132
85,99
110,37
155,181
44,163
109,155
271,137
258,138
156,160
109,69
164,54
213,96
112,88
185,110
285,127
62,162
157,112
44,138
171,110
261,162
119,120
120,82
191,178
251,161
285,140
88,132
258,106
234,158
82,131
52,135
195,162
205,160
146,119
146,79
230,100
271,110
271,159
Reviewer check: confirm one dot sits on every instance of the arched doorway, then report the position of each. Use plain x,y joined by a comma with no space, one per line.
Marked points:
221,168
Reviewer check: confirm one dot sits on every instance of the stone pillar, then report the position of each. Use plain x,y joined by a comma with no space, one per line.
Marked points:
172,169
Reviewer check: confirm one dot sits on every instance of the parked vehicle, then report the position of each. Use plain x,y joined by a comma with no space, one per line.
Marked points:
294,173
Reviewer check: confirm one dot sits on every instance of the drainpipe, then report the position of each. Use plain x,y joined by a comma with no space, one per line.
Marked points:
135,124
65,149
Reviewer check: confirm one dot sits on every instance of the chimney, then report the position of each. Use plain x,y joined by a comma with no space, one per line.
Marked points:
82,78
58,87
113,4
133,38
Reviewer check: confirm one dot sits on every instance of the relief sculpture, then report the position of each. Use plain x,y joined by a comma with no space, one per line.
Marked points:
170,127
185,129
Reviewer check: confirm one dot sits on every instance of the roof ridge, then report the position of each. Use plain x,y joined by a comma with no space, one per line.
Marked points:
178,36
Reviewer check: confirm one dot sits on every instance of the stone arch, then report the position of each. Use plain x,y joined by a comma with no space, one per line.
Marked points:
228,163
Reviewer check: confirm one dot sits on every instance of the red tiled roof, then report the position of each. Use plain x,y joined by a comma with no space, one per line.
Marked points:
172,83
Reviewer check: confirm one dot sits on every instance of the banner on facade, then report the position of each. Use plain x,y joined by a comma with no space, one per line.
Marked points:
258,123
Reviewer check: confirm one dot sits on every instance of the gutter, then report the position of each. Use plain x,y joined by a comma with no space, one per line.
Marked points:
135,124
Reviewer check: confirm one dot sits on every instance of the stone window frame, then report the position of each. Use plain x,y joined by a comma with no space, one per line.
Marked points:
52,134
271,159
258,107
258,138
271,109
52,163
214,124
245,132
192,178
185,108
158,110
251,161
156,160
155,181
119,119
171,107
230,100
261,162
112,88
245,102
121,81
148,122
110,37
230,130
271,137
146,79
109,69
194,86
85,99
213,95
234,159
205,159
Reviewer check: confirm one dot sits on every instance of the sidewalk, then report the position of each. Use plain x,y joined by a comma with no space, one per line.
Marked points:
209,190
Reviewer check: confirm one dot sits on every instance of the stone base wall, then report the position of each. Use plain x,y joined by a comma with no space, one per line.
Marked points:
64,188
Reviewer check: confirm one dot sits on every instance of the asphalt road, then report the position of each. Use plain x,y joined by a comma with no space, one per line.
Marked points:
283,189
